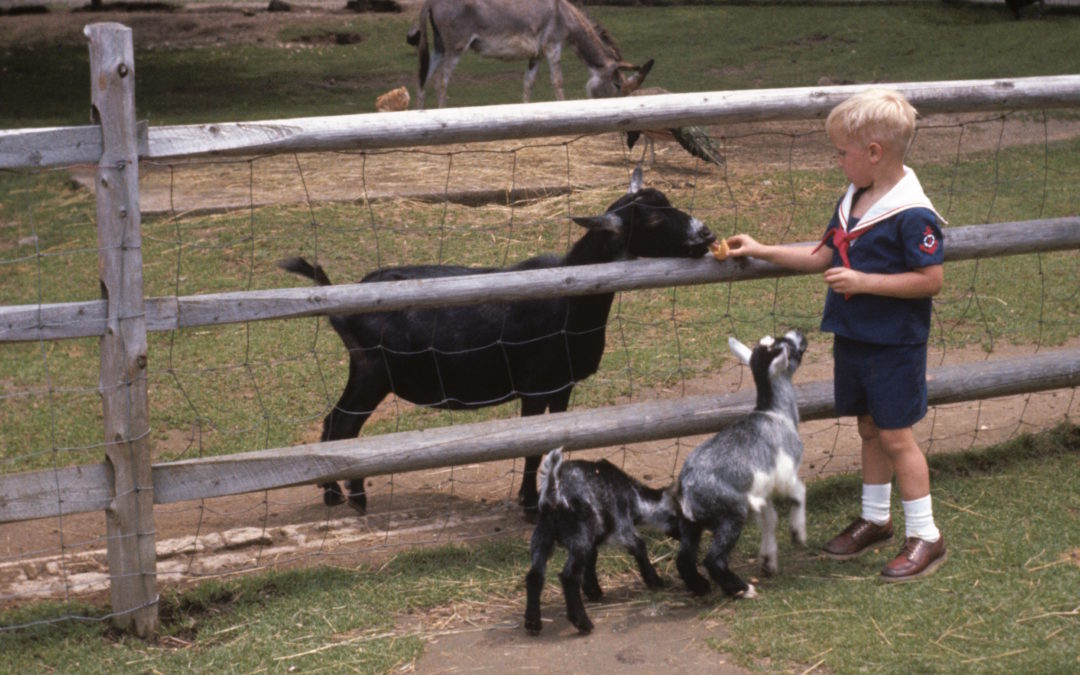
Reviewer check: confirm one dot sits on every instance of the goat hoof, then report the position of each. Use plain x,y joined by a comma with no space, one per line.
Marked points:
594,595
749,594
533,627
699,588
584,627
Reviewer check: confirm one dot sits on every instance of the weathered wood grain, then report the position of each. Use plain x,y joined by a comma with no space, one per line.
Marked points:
83,319
129,516
34,495
485,123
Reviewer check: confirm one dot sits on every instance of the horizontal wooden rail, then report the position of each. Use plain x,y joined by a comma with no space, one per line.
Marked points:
82,145
49,493
20,323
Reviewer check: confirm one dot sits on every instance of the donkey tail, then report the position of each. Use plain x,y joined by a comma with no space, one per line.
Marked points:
418,35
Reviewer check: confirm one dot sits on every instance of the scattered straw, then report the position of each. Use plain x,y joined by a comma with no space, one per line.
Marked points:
813,667
801,612
946,502
1003,655
1046,615
881,632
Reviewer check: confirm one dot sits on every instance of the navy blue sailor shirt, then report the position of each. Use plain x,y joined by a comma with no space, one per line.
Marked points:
907,241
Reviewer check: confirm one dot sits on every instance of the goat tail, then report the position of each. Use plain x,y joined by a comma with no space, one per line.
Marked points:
421,41
675,494
548,476
302,267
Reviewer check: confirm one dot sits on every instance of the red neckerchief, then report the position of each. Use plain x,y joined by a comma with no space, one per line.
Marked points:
906,194
841,240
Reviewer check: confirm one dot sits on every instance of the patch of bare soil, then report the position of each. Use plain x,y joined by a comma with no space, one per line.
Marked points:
631,636
193,24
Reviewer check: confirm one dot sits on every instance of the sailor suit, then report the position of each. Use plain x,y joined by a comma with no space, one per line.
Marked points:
899,233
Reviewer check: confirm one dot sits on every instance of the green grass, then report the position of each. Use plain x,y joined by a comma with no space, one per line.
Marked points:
700,48
268,384
1004,602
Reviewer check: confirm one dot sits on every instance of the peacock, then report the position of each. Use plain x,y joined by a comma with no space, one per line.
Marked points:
695,140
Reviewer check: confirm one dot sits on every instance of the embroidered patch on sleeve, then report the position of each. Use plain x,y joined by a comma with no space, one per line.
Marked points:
929,244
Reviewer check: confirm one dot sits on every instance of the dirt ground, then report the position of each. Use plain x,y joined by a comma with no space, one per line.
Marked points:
61,558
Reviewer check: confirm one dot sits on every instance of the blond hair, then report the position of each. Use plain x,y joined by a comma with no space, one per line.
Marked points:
875,115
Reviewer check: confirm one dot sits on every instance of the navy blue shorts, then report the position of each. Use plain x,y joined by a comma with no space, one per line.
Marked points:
888,382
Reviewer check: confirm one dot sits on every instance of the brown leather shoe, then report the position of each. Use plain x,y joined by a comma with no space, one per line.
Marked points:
918,558
858,538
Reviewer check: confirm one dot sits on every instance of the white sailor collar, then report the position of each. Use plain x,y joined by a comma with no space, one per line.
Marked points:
906,194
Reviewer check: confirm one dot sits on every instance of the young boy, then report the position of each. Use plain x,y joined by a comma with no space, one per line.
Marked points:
882,260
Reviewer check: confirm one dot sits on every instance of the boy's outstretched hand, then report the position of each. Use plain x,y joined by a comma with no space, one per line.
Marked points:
743,245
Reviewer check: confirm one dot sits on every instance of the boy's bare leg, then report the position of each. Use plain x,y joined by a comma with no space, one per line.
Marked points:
895,451
898,449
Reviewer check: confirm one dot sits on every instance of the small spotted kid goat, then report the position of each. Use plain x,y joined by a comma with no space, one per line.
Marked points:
741,468
582,505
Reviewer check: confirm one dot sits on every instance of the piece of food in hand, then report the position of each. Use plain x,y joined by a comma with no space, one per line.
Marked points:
719,249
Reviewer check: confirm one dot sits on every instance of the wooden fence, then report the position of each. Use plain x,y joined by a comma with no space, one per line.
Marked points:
125,486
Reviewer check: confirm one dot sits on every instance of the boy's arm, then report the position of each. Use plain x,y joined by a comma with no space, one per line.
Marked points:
801,257
918,283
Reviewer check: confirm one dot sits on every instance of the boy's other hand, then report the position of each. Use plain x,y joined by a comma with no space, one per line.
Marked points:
843,280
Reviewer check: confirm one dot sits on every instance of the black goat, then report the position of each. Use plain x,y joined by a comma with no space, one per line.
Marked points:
741,468
582,505
480,355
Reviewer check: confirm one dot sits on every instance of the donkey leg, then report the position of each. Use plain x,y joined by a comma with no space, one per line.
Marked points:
554,58
442,77
530,79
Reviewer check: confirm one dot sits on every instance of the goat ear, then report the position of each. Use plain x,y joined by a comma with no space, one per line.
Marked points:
741,351
779,364
608,221
636,181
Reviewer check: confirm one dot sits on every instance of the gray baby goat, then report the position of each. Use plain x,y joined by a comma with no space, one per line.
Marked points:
741,468
582,505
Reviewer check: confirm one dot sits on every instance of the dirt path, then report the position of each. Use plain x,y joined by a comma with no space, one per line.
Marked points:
631,636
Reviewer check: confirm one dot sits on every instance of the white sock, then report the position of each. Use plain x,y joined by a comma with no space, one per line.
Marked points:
919,520
876,502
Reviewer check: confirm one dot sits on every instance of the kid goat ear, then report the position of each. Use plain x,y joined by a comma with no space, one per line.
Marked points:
741,351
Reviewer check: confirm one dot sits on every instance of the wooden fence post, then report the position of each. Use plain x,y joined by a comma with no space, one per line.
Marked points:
130,514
